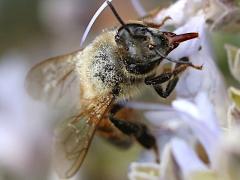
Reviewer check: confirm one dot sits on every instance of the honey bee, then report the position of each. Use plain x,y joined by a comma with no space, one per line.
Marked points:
114,67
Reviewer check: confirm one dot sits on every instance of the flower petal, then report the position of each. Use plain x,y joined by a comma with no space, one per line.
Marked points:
141,171
233,54
235,96
207,135
170,170
227,157
186,157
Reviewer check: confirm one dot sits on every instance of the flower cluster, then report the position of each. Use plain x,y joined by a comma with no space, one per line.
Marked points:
197,135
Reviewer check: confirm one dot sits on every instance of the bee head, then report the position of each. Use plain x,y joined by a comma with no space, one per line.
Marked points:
142,44
144,47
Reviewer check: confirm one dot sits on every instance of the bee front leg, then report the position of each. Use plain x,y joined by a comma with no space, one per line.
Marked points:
170,87
138,130
171,77
166,76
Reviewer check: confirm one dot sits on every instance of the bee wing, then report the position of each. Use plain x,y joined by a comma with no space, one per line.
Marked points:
54,78
74,136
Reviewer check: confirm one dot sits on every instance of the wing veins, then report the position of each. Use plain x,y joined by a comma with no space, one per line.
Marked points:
94,114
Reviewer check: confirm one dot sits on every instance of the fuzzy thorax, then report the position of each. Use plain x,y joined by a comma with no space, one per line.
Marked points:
101,69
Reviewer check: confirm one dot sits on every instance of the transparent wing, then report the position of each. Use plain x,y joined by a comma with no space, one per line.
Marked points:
54,78
74,136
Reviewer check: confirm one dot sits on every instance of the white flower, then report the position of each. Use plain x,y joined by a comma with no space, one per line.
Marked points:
189,124
199,51
180,12
218,14
189,135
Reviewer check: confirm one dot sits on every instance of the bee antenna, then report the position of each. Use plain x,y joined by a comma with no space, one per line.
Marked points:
92,21
115,13
172,60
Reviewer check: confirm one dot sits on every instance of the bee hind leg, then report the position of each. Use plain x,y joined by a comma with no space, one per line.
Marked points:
138,130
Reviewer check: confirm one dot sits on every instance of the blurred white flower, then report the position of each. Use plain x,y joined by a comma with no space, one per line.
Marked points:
144,171
227,157
222,15
233,55
234,109
24,136
139,8
190,163
218,14
183,151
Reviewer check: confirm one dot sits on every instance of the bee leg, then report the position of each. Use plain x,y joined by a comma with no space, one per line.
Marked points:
170,87
166,76
171,83
171,77
138,130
